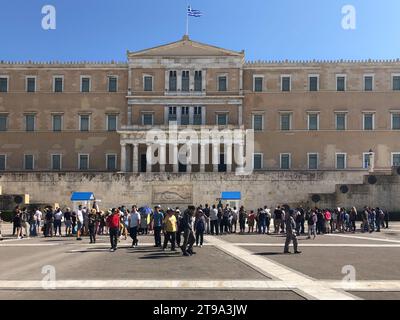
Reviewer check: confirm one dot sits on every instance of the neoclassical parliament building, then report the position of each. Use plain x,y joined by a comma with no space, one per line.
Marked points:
93,117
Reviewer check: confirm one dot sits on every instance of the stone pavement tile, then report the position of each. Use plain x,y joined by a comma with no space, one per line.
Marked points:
145,263
256,238
375,295
150,295
327,263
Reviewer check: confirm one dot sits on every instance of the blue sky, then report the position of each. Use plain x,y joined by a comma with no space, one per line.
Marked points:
266,29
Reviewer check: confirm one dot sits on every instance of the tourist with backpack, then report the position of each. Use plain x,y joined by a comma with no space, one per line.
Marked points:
312,224
200,225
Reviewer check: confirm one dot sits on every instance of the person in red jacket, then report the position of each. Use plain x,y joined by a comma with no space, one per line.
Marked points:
113,225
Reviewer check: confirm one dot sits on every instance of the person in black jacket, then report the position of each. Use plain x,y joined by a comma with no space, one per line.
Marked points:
188,231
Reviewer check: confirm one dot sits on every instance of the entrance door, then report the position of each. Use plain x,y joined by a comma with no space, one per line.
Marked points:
222,165
143,162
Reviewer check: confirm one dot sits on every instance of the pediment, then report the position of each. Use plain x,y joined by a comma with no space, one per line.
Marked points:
185,47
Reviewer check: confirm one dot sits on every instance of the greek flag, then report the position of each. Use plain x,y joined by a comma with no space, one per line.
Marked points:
194,13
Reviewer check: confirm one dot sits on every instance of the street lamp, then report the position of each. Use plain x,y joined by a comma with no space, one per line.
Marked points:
371,161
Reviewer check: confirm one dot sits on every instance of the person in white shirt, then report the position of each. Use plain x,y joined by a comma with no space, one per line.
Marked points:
235,216
58,217
38,218
134,224
79,220
214,220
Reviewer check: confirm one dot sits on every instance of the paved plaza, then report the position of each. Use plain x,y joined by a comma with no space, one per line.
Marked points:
243,267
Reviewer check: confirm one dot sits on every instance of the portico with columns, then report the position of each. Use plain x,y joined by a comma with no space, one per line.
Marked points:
191,86
142,152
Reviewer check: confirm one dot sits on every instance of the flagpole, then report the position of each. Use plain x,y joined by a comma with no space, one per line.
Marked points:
187,20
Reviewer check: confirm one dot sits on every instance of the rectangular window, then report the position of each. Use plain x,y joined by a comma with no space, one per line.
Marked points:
172,114
285,162
111,162
185,81
368,83
222,84
112,84
366,160
396,159
396,83
313,83
258,84
30,122
313,161
56,162
84,122
147,119
286,122
173,82
85,84
340,83
83,162
395,121
198,81
57,122
285,83
29,162
58,85
313,121
112,122
3,160
197,116
3,84
341,119
148,83
3,123
369,121
341,161
222,119
258,161
258,122
30,84
185,116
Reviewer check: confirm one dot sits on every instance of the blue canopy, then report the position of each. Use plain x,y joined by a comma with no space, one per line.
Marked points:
231,196
82,196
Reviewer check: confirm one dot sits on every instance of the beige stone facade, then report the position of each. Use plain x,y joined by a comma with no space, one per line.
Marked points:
295,129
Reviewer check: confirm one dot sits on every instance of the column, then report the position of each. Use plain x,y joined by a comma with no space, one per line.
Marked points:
204,80
189,158
135,158
202,158
178,115
129,115
123,157
130,82
148,159
191,115
175,157
203,115
240,158
166,113
215,157
163,156
240,115
228,155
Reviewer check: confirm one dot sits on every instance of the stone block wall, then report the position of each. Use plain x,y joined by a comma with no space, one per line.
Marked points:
259,189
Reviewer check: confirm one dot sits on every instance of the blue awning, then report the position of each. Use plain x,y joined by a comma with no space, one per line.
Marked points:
231,196
82,196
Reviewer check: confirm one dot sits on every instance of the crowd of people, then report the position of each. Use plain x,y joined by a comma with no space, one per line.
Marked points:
185,229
